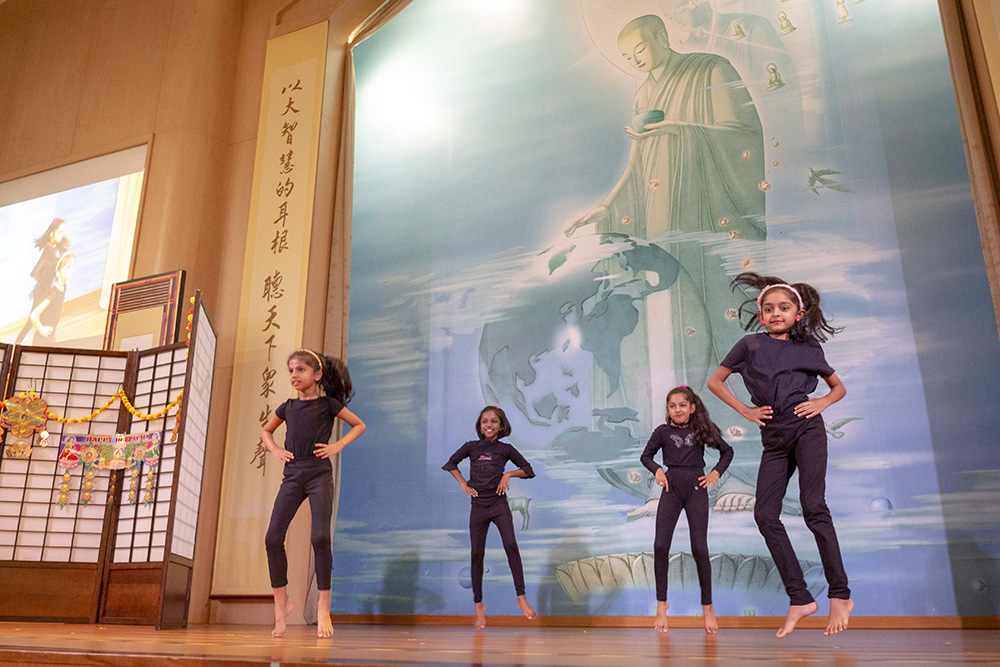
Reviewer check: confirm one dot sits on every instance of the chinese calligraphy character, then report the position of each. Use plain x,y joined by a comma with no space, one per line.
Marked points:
287,130
272,286
280,241
270,347
286,162
289,107
272,313
292,86
260,457
282,214
284,189
267,381
260,451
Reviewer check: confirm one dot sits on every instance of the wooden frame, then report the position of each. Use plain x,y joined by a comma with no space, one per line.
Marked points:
158,297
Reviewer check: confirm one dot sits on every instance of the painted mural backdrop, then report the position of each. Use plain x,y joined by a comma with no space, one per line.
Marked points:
547,219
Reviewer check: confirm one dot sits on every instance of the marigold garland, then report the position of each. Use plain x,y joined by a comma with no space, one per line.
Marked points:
120,394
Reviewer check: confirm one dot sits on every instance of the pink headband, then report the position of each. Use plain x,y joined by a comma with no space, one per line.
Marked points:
787,287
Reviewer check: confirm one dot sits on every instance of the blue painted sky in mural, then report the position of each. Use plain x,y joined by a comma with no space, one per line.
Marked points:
482,133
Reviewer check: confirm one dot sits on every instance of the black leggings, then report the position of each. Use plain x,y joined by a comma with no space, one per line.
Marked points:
497,512
314,482
798,443
683,493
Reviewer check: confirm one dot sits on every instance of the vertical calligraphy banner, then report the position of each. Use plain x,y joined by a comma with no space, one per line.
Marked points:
273,300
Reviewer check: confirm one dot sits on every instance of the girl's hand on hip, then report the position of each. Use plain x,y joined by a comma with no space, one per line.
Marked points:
325,450
758,415
661,479
469,491
504,483
282,455
708,481
810,408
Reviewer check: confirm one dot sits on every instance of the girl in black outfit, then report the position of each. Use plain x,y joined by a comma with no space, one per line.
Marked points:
487,486
308,473
780,368
685,487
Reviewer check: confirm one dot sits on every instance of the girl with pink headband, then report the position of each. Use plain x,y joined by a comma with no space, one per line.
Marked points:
685,485
780,368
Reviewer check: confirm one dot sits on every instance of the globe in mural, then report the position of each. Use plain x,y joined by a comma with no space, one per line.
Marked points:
570,360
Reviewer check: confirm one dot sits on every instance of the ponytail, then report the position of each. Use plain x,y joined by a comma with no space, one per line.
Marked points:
336,380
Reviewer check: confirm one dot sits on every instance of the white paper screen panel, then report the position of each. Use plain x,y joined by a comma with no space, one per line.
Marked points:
195,421
141,533
33,525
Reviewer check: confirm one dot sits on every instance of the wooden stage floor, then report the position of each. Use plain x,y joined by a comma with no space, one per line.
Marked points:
29,644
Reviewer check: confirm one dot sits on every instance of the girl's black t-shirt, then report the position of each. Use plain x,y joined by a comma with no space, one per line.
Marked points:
487,460
680,450
778,373
308,422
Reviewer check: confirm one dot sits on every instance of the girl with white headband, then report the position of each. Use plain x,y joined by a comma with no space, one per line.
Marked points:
308,472
780,368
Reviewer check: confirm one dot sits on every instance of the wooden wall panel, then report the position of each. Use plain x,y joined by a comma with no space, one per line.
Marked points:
62,592
47,85
132,594
121,86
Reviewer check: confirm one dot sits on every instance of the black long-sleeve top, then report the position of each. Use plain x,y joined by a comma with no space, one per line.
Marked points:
487,460
681,451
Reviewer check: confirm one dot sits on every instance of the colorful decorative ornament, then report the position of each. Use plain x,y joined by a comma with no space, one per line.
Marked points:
111,452
22,416
19,450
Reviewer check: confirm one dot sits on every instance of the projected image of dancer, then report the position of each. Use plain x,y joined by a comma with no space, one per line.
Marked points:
53,243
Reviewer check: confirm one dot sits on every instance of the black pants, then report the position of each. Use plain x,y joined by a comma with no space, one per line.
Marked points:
498,512
314,482
683,493
799,443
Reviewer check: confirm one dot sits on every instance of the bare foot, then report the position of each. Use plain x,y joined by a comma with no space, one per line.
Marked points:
480,621
796,613
324,628
661,615
279,617
840,612
522,604
711,624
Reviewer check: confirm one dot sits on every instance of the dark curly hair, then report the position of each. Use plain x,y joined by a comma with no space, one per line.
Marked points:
504,422
704,429
813,324
336,379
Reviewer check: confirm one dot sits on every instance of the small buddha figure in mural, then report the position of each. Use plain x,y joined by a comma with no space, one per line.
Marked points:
774,81
736,30
785,26
842,15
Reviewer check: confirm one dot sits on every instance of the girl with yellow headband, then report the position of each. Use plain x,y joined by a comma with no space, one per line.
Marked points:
307,471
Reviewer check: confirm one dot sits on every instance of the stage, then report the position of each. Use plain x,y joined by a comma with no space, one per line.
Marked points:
384,646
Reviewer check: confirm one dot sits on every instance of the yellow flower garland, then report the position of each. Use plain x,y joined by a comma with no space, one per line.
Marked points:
120,394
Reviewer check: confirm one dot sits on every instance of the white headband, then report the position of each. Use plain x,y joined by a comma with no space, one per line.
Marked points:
787,287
